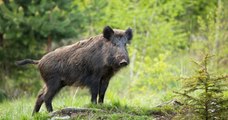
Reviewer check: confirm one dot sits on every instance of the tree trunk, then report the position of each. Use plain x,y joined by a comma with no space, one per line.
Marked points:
1,40
49,44
217,34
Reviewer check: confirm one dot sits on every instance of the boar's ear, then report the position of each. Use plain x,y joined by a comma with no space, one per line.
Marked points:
129,34
108,32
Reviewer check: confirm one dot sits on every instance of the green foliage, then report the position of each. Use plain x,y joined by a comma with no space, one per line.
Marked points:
212,36
157,77
25,28
192,10
203,94
2,95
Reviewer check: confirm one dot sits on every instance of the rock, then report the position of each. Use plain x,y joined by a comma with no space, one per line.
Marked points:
68,113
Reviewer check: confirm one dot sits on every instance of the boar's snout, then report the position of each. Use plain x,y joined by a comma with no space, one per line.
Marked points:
122,59
123,63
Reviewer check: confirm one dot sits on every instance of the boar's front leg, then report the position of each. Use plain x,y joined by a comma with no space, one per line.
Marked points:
94,87
103,87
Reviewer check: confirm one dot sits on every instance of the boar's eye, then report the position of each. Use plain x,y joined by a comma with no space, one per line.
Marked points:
114,44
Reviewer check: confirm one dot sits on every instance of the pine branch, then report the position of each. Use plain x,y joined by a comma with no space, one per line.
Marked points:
222,77
186,95
222,102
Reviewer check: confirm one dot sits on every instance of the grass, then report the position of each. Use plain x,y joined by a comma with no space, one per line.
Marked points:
115,107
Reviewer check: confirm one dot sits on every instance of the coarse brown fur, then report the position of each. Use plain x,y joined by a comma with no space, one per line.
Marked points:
90,63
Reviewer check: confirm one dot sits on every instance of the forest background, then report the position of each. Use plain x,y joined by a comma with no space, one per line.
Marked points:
168,36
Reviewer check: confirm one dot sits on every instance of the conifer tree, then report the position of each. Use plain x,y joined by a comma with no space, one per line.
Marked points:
203,94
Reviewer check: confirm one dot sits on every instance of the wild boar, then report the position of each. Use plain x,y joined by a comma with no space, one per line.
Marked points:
90,63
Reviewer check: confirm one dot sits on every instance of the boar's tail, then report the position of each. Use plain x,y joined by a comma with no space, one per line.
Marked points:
26,61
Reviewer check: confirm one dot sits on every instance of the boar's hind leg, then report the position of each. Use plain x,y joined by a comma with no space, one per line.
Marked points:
39,101
103,87
53,87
